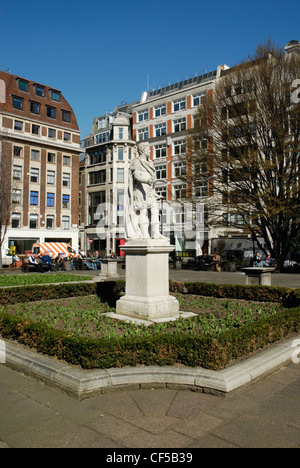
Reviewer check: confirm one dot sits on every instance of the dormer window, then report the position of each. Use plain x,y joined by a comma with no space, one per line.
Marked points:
40,90
23,85
55,95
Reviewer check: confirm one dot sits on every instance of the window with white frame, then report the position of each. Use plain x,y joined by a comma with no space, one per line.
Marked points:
197,98
16,196
179,125
161,192
18,151
179,191
179,104
50,222
18,125
160,129
65,223
33,221
51,177
160,151
143,134
34,175
179,169
179,146
66,179
160,110
161,172
16,220
120,174
17,172
143,115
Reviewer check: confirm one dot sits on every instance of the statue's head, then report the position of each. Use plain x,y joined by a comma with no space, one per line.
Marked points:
143,148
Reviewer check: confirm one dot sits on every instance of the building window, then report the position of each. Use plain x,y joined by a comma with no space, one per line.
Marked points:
35,155
17,172
50,222
34,198
95,199
161,172
18,125
34,175
66,116
16,220
98,177
179,125
179,169
50,200
179,192
51,112
50,177
51,157
51,133
18,151
35,129
179,147
66,201
66,160
121,133
143,115
66,179
160,151
35,107
40,91
179,104
23,85
160,110
143,134
161,192
65,223
17,103
33,221
67,136
120,175
197,98
16,197
120,153
98,157
160,129
102,137
55,95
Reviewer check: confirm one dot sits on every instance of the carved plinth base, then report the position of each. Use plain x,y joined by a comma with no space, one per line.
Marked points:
147,281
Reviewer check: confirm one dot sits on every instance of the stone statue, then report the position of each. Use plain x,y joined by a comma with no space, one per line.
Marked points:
142,211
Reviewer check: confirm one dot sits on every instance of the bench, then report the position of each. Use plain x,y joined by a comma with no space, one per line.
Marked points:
258,275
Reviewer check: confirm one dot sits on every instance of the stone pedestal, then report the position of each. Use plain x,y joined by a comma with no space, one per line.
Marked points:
109,268
147,281
258,276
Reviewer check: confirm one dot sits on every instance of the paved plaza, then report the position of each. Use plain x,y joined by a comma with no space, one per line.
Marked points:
264,414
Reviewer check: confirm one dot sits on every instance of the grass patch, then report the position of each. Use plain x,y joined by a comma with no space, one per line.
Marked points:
40,278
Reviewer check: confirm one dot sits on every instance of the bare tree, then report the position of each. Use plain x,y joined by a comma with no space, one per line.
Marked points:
247,136
5,189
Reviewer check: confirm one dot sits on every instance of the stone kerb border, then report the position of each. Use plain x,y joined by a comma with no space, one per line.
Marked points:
82,384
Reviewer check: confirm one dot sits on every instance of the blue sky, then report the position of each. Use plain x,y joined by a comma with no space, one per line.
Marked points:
102,53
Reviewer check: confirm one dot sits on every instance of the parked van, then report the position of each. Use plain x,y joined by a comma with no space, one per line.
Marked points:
53,249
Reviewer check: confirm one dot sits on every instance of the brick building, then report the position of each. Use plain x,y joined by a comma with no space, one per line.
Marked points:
40,136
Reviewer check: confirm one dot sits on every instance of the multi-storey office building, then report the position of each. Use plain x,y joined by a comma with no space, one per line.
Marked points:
162,117
40,136
103,181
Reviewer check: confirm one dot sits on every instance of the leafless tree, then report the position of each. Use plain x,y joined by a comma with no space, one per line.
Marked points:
246,135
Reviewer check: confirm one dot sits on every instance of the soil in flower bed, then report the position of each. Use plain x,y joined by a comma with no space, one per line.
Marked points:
86,316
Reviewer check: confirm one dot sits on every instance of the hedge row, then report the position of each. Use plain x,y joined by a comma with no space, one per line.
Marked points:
211,352
287,297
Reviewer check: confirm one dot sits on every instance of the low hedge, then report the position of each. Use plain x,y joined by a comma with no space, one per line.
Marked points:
208,351
287,297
